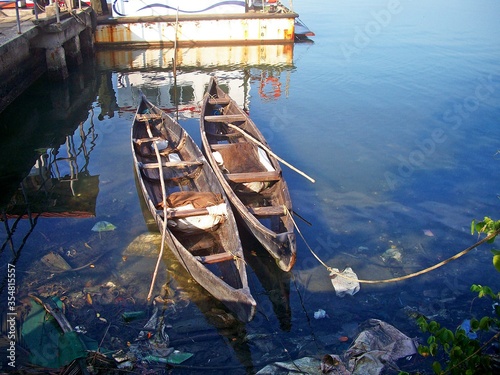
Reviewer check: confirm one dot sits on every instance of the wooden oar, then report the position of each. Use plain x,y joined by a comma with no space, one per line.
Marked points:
272,153
164,196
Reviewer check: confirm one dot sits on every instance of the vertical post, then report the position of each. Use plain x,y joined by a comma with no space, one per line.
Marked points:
73,52
56,63
87,42
35,8
18,19
176,100
58,17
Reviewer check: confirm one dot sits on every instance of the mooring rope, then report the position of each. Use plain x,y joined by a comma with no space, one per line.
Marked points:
335,272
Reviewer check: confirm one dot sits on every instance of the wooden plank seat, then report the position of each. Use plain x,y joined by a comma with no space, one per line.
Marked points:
226,135
253,177
140,141
176,179
220,101
268,211
148,116
220,146
170,164
225,118
179,214
215,258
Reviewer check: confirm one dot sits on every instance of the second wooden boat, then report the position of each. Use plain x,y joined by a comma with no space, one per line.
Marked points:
179,186
249,173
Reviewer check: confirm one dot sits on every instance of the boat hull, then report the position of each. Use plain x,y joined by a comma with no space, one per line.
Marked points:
266,214
225,275
185,31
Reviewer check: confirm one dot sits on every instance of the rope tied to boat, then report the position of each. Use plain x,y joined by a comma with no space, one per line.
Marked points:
335,272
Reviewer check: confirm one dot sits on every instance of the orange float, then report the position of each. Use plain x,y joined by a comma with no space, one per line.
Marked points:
275,85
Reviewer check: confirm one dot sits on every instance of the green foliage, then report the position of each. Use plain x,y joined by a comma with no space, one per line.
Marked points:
465,354
487,226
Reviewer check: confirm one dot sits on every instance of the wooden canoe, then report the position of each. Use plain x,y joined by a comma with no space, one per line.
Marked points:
250,175
201,231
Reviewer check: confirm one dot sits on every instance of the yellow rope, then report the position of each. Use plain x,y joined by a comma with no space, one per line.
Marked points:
440,264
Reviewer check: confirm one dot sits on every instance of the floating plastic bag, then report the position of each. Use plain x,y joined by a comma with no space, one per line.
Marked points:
377,346
301,366
320,314
103,226
345,285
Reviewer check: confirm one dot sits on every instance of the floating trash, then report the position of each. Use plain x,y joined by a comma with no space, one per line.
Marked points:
392,253
428,233
80,329
345,282
320,314
176,357
55,262
144,245
307,365
103,226
132,315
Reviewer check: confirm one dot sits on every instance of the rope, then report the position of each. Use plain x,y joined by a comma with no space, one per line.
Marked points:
409,276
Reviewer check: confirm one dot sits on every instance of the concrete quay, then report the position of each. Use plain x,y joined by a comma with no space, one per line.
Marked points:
41,45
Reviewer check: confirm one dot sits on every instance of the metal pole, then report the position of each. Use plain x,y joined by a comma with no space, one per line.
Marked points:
58,18
35,8
18,19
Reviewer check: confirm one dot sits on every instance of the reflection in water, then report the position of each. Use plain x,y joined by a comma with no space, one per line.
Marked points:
224,58
55,187
176,80
35,179
275,282
41,118
107,97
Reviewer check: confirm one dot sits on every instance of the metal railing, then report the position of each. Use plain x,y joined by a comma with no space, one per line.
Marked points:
36,10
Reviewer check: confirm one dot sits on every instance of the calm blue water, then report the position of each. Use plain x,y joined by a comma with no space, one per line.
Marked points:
394,109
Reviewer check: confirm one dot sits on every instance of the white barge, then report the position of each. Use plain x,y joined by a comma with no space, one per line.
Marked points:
181,23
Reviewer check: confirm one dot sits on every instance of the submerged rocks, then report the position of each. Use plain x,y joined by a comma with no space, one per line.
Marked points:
145,245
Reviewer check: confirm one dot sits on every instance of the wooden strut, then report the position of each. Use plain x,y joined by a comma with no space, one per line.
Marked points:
164,196
272,153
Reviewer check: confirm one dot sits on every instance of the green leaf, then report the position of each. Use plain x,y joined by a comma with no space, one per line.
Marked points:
437,368
485,323
433,326
474,324
496,262
423,350
475,288
433,349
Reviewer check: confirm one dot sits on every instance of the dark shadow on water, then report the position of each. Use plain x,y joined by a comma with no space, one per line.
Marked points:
41,118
